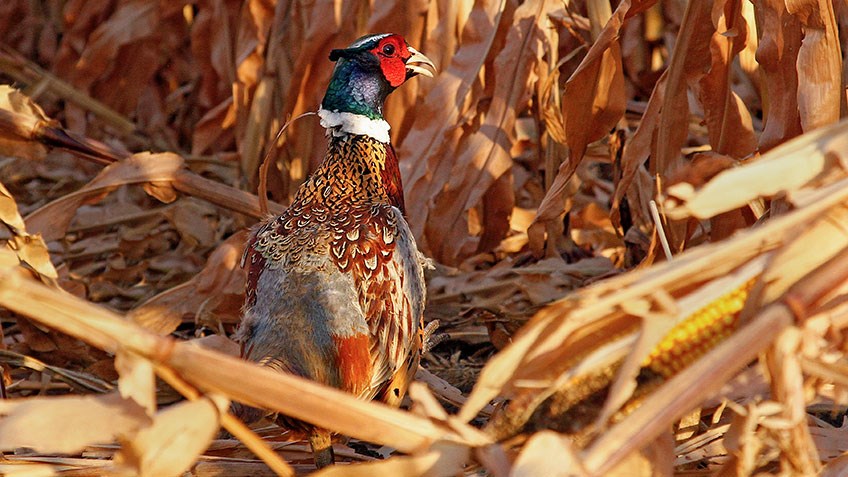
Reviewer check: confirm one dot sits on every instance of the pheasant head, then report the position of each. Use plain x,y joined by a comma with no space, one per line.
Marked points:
365,73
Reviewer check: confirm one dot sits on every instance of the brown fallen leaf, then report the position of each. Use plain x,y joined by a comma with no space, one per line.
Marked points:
836,468
20,115
52,220
219,286
68,424
127,28
177,436
443,458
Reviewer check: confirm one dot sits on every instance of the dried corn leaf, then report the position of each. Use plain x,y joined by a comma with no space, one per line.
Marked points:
53,219
68,424
204,96
536,458
443,458
594,102
820,92
836,467
547,344
799,454
726,116
483,157
212,41
830,234
779,170
132,28
691,50
425,156
777,55
242,381
635,153
173,442
23,116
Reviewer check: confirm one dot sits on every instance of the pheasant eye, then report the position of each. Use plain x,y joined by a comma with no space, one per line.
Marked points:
389,50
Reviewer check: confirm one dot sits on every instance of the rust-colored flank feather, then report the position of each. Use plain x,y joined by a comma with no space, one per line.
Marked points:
345,235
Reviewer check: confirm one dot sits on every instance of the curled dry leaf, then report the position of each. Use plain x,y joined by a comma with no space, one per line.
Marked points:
136,379
777,55
9,214
820,92
68,424
30,249
178,435
20,117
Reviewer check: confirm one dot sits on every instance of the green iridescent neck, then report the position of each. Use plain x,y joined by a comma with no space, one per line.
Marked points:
353,90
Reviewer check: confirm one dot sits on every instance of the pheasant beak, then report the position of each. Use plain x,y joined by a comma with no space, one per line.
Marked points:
418,64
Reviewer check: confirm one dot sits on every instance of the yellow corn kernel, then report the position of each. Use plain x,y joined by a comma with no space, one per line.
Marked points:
698,333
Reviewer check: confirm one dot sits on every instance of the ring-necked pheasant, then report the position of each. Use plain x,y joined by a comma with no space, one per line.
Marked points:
335,288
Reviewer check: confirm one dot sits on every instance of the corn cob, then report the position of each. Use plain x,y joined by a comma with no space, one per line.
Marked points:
698,333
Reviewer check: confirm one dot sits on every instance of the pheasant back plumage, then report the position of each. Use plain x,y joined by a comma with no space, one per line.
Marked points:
345,233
